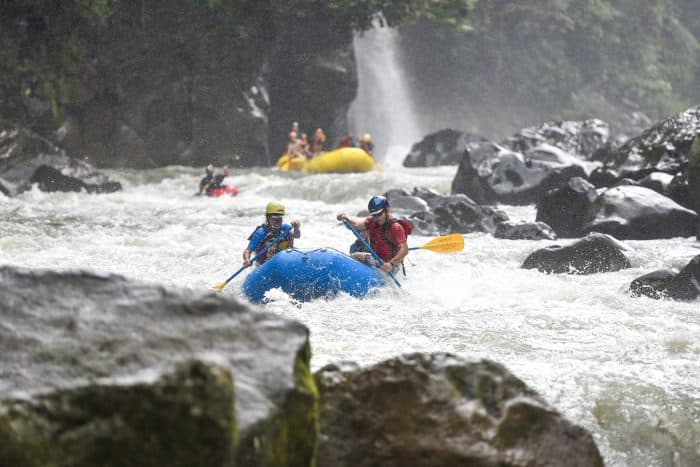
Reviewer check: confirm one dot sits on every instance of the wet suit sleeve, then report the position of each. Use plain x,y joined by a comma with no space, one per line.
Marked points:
256,239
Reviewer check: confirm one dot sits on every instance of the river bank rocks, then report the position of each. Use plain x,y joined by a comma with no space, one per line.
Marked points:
452,412
590,255
27,158
664,283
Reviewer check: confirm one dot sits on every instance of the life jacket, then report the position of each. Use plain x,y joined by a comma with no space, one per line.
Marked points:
407,227
269,237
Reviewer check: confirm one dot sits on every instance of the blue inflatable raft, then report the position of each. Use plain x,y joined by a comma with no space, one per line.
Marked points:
312,273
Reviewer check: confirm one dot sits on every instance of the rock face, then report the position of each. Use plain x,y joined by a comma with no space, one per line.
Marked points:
174,82
61,334
444,147
439,410
590,255
634,212
28,158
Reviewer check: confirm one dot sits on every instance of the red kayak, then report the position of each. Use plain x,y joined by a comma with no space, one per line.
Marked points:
223,190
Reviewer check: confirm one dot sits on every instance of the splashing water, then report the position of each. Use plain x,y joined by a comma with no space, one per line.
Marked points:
627,369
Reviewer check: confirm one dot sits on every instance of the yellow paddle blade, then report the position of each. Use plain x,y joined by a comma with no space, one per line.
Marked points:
219,287
445,244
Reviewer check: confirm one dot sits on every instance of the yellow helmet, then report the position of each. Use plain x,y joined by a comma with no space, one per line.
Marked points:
274,208
366,137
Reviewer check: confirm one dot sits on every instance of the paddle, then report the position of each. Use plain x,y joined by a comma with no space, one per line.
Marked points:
220,287
367,247
445,244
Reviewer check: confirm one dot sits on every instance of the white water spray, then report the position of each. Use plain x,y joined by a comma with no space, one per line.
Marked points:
383,107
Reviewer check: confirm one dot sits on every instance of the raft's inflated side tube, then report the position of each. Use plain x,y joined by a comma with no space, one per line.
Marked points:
343,160
286,163
310,274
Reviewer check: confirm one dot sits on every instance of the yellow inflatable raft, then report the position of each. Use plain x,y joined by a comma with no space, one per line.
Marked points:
342,160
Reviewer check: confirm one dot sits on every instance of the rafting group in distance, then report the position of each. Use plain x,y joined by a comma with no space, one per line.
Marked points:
311,157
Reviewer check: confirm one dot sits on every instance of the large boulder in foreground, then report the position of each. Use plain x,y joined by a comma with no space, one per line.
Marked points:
181,418
636,213
590,255
62,333
440,410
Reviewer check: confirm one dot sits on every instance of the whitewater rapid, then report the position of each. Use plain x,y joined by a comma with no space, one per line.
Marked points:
627,369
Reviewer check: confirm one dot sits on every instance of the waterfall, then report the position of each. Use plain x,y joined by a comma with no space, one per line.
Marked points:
383,106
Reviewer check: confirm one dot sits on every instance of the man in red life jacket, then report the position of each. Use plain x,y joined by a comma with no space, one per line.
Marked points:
387,235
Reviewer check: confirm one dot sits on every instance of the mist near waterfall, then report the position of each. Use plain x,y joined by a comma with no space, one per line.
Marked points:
384,104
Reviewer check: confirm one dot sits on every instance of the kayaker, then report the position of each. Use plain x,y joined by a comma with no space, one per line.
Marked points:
269,231
366,144
219,178
206,182
694,179
387,236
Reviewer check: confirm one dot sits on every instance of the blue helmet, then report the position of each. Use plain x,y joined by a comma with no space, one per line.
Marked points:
377,204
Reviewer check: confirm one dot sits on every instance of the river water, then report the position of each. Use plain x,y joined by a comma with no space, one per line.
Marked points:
627,369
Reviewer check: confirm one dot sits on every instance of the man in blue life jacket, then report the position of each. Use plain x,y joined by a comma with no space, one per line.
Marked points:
694,179
387,235
268,232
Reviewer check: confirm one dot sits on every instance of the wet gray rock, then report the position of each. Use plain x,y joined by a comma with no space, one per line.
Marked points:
664,146
66,330
490,174
657,181
459,214
684,285
653,284
590,255
565,209
440,410
444,147
524,230
583,138
634,212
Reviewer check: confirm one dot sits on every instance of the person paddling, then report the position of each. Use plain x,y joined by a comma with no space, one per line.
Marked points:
387,236
207,181
268,232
